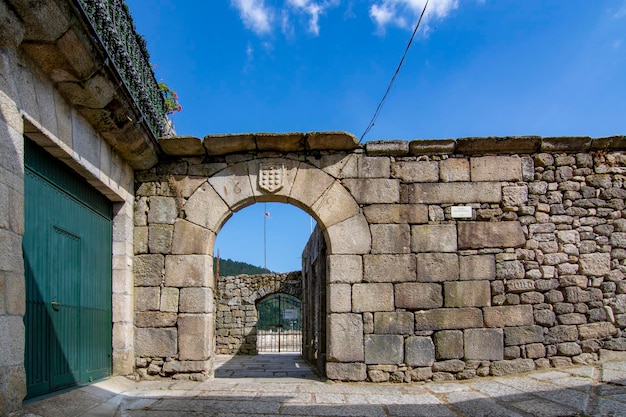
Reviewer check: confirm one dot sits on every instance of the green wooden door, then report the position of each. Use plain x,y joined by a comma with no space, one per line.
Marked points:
67,256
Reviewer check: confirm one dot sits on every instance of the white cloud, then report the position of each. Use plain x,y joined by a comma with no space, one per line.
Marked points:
404,13
314,9
621,12
255,15
261,18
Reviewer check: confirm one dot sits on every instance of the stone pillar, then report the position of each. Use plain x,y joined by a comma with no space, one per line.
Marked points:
12,290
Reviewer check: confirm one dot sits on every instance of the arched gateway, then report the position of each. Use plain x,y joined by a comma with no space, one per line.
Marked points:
191,211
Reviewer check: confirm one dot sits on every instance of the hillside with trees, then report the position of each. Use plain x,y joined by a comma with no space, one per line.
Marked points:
229,267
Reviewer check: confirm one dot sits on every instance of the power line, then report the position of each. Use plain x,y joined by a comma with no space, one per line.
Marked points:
393,79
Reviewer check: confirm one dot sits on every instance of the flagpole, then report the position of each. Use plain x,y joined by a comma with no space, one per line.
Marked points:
265,237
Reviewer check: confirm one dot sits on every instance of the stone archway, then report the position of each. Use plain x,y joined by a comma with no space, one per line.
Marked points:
344,227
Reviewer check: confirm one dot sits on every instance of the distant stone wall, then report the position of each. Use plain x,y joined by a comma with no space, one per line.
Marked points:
237,316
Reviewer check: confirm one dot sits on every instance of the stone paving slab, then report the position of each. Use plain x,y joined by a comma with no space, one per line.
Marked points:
577,391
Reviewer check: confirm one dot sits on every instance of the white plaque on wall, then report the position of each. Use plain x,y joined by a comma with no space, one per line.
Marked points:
461,212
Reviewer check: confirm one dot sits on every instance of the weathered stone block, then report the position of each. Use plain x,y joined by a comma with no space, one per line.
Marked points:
350,237
384,349
449,344
372,297
477,267
233,186
335,205
187,366
155,319
595,264
195,335
514,196
510,270
160,238
223,144
559,334
389,268
189,238
478,235
374,190
148,270
196,300
437,267
387,147
419,351
169,299
454,169
281,142
345,268
503,316
467,294
418,296
339,298
496,168
155,342
391,238
140,240
452,365
373,167
147,298
346,371
448,319
432,146
188,271
455,193
393,323
433,238
514,366
162,210
599,330
345,338
484,344
523,335
206,208
12,347
331,140
396,213
416,171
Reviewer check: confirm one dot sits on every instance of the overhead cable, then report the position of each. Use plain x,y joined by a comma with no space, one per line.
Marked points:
393,79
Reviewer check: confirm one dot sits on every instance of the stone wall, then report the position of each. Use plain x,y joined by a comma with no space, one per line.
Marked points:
237,316
433,259
314,300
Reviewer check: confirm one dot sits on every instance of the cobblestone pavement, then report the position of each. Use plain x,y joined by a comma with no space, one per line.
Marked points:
280,385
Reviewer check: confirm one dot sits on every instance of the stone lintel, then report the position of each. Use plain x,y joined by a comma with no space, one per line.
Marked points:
336,141
432,147
280,142
608,143
498,145
566,144
387,147
182,146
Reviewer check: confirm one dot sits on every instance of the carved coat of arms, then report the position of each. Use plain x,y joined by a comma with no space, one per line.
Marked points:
271,176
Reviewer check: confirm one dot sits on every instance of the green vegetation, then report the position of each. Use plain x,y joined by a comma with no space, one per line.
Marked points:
230,268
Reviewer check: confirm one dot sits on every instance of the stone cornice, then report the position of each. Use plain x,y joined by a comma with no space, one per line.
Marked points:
224,144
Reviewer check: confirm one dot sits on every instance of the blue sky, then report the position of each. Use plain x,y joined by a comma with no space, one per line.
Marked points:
476,68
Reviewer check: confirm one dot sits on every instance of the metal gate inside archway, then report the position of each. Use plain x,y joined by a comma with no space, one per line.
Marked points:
279,327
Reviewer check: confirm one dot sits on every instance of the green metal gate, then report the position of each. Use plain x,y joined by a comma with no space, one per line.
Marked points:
279,328
67,256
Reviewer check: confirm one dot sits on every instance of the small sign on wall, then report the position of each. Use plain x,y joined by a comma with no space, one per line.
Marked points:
461,212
